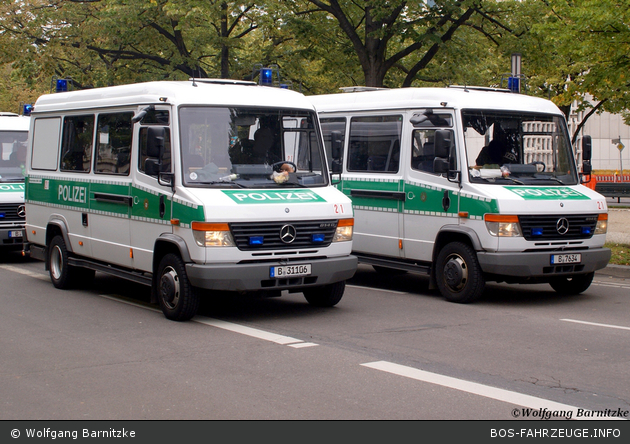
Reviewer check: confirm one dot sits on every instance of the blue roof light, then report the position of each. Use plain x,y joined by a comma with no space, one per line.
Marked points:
266,76
61,85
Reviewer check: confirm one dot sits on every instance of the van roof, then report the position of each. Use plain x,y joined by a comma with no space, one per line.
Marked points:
14,122
194,92
450,97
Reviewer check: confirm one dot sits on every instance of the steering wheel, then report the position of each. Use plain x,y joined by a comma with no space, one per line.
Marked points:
277,166
540,163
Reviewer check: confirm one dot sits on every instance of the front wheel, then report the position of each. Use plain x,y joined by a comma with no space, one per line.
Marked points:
326,295
178,299
572,285
458,273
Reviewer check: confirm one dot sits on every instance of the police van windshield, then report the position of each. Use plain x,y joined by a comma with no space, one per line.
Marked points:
250,147
12,155
518,148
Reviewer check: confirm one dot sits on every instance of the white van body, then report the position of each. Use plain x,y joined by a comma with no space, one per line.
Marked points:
13,140
153,182
422,203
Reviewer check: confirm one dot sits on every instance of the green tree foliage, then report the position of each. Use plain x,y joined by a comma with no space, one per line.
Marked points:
577,53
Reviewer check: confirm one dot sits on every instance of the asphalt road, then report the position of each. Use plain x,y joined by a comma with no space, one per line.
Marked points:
391,350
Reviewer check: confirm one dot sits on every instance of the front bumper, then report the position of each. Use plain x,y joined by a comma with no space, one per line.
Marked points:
534,264
255,276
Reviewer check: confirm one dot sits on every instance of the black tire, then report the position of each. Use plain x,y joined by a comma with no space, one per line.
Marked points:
62,275
58,268
572,285
326,295
178,299
458,273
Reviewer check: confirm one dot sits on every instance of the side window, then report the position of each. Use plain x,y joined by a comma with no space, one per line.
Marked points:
76,143
113,143
375,143
328,126
423,150
166,158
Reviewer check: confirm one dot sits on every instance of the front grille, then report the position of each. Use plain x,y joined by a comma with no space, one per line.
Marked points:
253,236
544,227
9,212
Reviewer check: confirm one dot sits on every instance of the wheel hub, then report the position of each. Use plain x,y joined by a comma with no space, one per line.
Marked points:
169,287
455,273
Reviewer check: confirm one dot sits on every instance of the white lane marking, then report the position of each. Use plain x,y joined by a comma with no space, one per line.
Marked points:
236,328
620,327
249,331
486,391
14,269
303,345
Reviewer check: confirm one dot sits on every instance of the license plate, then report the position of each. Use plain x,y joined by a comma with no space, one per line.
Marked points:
16,233
574,258
290,271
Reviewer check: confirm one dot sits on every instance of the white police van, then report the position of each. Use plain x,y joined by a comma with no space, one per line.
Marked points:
13,139
205,184
427,200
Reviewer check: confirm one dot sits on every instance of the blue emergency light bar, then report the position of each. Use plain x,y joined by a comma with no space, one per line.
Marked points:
266,76
61,85
27,109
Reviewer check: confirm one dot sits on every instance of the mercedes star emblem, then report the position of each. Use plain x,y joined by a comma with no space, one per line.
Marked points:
562,226
288,234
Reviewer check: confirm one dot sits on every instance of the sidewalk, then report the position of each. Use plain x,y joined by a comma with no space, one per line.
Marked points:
618,232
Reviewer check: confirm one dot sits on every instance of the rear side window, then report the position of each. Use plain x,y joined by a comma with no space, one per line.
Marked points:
76,143
374,144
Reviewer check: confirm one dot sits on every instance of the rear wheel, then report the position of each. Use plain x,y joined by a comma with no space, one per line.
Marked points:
326,295
62,274
458,273
178,298
572,285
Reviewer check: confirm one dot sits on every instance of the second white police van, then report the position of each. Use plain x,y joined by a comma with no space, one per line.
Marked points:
206,184
13,138
468,185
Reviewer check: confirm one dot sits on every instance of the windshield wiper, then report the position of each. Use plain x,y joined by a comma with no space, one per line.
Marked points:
219,182
549,178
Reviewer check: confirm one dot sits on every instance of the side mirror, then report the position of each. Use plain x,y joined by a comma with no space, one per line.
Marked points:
441,165
335,167
443,142
587,148
152,167
336,144
155,141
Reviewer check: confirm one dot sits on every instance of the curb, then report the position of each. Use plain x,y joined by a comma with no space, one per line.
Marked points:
618,271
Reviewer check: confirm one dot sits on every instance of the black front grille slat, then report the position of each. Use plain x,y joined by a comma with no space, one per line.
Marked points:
9,212
548,224
270,232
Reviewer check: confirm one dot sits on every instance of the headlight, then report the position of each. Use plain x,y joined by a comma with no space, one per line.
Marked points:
602,224
212,235
503,225
344,230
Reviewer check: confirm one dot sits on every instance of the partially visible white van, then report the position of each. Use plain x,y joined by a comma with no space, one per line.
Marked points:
468,185
206,184
13,138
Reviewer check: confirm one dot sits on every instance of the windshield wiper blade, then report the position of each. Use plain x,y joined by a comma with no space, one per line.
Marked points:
219,182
